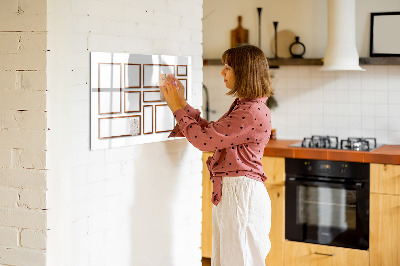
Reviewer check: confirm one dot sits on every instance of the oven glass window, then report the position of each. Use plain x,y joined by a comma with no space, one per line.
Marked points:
326,207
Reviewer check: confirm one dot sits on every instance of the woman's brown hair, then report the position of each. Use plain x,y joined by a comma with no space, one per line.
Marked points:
250,66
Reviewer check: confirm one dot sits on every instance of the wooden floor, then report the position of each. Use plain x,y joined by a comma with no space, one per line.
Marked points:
206,261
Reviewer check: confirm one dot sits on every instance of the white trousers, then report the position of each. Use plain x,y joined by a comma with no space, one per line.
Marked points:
241,223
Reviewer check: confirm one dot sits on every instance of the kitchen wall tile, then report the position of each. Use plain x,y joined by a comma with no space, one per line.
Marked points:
394,123
394,82
354,122
382,136
329,123
368,122
342,80
291,71
367,133
315,72
342,122
342,96
355,109
355,96
381,97
394,137
304,72
328,74
393,71
316,82
292,82
394,110
394,97
317,131
381,123
380,71
367,96
355,132
329,109
367,82
382,110
303,82
380,84
342,109
329,93
342,133
367,110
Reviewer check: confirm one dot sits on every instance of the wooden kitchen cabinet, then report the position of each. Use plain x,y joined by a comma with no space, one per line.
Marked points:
385,178
305,254
385,215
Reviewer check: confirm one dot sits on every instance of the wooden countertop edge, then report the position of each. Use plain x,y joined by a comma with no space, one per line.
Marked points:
386,154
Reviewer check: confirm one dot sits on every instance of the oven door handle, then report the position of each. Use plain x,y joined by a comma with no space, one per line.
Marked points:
357,185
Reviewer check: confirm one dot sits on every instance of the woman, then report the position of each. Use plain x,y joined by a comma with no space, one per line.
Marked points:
242,208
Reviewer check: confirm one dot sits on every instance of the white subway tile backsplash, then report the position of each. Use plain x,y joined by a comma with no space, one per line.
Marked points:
382,136
367,110
381,97
348,103
355,109
380,71
367,96
394,110
368,122
329,109
381,84
394,136
394,97
394,82
382,110
394,123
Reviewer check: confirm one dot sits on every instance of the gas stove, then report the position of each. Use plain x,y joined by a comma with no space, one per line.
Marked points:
332,142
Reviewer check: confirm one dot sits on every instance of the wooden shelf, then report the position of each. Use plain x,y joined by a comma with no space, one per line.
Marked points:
274,63
380,61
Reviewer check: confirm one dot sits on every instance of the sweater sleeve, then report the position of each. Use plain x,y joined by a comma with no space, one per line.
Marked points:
229,131
193,113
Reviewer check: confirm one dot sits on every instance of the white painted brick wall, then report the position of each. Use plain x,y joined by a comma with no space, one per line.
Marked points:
138,205
34,239
23,125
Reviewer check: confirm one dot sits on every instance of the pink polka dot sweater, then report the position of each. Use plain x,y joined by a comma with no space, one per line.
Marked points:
238,139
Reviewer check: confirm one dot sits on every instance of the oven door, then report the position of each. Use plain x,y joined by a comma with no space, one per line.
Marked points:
327,213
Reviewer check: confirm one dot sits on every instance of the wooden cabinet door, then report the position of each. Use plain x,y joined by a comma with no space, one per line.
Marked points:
384,236
274,168
277,233
206,226
385,178
304,254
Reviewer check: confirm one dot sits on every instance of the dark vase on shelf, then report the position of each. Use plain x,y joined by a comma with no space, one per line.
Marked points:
297,49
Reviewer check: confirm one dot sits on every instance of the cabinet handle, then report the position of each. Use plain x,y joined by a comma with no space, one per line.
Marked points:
324,254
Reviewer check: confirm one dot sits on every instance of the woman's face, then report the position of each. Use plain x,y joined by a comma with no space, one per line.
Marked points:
229,76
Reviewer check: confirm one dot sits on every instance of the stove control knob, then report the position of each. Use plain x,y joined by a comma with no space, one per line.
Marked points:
308,166
343,168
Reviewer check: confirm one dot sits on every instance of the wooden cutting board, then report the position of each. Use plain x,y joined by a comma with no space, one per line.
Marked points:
239,35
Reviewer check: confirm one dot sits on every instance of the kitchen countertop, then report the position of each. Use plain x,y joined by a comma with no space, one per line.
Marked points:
389,154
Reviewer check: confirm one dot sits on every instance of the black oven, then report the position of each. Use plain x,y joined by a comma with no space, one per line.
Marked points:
327,202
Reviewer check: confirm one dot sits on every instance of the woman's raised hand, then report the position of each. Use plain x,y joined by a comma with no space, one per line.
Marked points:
174,93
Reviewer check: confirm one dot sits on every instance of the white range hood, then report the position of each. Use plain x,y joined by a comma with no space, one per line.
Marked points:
341,51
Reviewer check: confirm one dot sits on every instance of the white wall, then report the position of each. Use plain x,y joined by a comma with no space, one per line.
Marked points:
23,133
138,205
306,19
344,103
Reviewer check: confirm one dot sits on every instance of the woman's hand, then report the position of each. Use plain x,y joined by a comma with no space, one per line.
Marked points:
174,94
